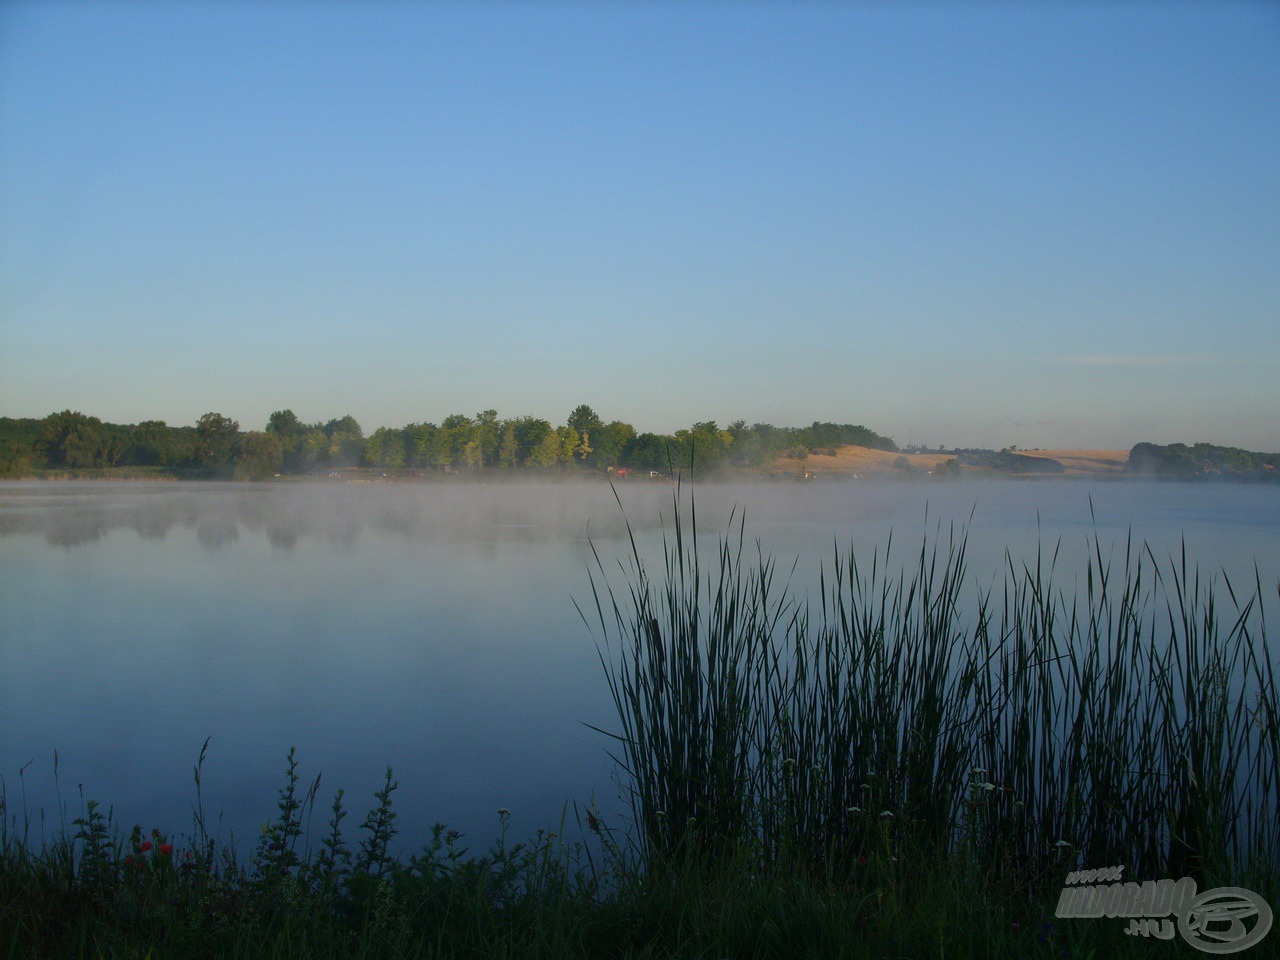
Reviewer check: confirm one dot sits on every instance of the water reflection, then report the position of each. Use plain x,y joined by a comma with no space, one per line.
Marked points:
1225,522
76,514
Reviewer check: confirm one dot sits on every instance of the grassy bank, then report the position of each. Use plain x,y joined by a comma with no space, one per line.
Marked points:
907,767
100,892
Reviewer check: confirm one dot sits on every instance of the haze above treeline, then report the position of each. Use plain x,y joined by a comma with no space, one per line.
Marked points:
217,448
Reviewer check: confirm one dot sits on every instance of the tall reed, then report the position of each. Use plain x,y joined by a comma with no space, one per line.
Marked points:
1130,718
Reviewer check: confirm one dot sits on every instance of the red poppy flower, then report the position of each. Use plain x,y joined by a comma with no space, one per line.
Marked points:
166,848
145,846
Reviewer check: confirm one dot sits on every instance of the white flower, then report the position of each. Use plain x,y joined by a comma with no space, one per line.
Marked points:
1062,843
886,813
978,771
854,810
986,786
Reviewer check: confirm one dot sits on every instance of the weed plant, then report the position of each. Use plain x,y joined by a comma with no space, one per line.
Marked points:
1015,730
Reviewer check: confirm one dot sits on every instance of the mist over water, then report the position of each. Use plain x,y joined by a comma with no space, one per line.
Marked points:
431,626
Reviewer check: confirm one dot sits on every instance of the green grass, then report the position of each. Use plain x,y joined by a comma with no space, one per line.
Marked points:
907,768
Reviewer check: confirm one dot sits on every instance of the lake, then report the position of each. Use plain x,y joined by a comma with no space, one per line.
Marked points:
431,626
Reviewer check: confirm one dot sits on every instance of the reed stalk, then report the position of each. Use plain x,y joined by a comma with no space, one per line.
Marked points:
1124,715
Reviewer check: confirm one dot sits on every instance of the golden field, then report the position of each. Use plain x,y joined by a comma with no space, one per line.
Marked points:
849,462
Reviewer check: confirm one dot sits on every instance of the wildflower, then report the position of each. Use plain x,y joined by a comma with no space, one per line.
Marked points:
978,771
986,786
854,810
886,813
504,812
145,846
166,849
1062,843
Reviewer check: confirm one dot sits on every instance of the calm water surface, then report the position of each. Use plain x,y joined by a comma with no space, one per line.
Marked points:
428,627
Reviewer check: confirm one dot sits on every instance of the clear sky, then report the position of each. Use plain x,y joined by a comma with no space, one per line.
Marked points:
1049,224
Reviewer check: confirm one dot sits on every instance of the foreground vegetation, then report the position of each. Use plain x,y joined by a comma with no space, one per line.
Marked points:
908,768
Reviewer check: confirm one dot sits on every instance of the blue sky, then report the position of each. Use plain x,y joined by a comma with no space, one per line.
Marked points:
1049,224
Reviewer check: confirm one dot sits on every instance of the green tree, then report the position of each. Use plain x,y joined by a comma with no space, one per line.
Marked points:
18,437
754,445
473,454
258,455
583,419
346,442
487,435
549,451
704,447
385,448
453,436
648,451
509,448
609,442
72,439
313,450
151,443
948,470
422,443
285,426
215,440
570,440
530,434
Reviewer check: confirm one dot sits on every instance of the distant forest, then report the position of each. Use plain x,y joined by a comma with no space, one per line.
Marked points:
216,447
1203,461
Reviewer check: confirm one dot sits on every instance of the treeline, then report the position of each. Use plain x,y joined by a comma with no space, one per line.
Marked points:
1204,461
217,447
